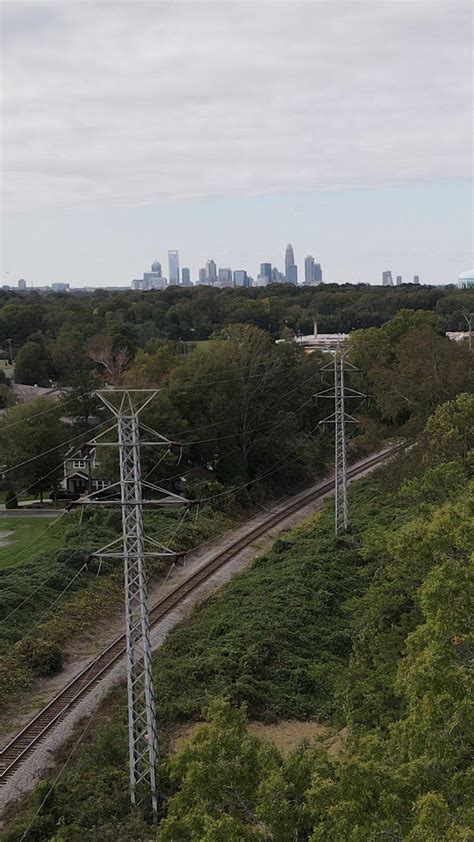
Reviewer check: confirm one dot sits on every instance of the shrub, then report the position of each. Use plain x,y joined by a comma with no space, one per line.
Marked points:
41,656
11,500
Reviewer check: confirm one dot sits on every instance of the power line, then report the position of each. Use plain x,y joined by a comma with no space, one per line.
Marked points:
53,408
51,450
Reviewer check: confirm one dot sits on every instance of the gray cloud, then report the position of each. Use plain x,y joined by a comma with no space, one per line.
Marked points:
124,103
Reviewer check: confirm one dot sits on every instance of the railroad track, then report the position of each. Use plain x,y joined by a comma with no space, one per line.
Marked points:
28,739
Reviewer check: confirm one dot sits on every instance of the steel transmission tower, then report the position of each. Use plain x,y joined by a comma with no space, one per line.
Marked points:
339,393
126,406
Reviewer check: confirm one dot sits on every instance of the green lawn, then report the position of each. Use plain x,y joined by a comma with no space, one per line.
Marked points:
30,536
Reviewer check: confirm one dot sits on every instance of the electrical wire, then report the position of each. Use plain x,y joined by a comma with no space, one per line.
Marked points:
260,476
51,449
61,772
57,405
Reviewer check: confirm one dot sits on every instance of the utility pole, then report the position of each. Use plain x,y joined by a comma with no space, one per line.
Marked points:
469,317
339,393
126,406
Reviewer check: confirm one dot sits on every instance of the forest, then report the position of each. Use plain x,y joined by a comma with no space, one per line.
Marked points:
368,635
53,335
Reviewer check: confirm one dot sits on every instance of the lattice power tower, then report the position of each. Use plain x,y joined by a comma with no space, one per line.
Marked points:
135,547
339,393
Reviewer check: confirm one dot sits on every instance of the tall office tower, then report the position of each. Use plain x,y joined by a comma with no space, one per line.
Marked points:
261,281
292,274
156,267
277,277
387,280
224,277
173,261
289,259
266,270
399,280
185,277
202,276
22,283
309,270
211,271
317,274
241,278
416,279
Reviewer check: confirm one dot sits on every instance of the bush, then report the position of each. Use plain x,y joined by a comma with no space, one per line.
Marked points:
42,657
11,500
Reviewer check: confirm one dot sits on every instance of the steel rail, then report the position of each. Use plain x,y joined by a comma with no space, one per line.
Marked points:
27,740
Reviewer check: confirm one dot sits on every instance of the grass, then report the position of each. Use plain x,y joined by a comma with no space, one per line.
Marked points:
30,536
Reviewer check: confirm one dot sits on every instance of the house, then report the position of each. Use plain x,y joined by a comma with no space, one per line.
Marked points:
82,472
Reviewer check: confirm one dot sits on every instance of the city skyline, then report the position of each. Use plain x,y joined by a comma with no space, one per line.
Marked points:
362,162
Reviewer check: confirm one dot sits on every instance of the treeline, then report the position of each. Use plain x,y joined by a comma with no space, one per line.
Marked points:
243,408
370,633
63,329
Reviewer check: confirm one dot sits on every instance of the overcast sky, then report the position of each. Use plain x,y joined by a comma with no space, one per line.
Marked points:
227,129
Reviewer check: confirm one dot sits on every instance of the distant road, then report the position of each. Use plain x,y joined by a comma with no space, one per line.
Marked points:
23,512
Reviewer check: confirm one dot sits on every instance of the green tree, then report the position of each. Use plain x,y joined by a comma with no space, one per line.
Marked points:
449,433
217,773
31,365
29,438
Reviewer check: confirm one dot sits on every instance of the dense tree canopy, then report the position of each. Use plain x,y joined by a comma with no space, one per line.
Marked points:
67,323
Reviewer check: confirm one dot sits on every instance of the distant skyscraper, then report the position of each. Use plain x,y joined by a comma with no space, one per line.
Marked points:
317,274
224,277
22,283
266,270
202,276
211,271
241,278
289,260
151,280
416,279
261,281
387,280
292,274
309,269
173,262
185,277
277,276
399,280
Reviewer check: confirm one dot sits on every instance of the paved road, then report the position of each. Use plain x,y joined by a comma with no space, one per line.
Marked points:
20,512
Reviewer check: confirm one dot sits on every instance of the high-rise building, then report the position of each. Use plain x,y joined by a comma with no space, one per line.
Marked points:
60,287
387,280
416,279
289,259
292,274
266,270
224,277
22,283
261,281
173,263
277,276
185,277
202,276
211,271
317,274
241,278
309,269
399,280
151,280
